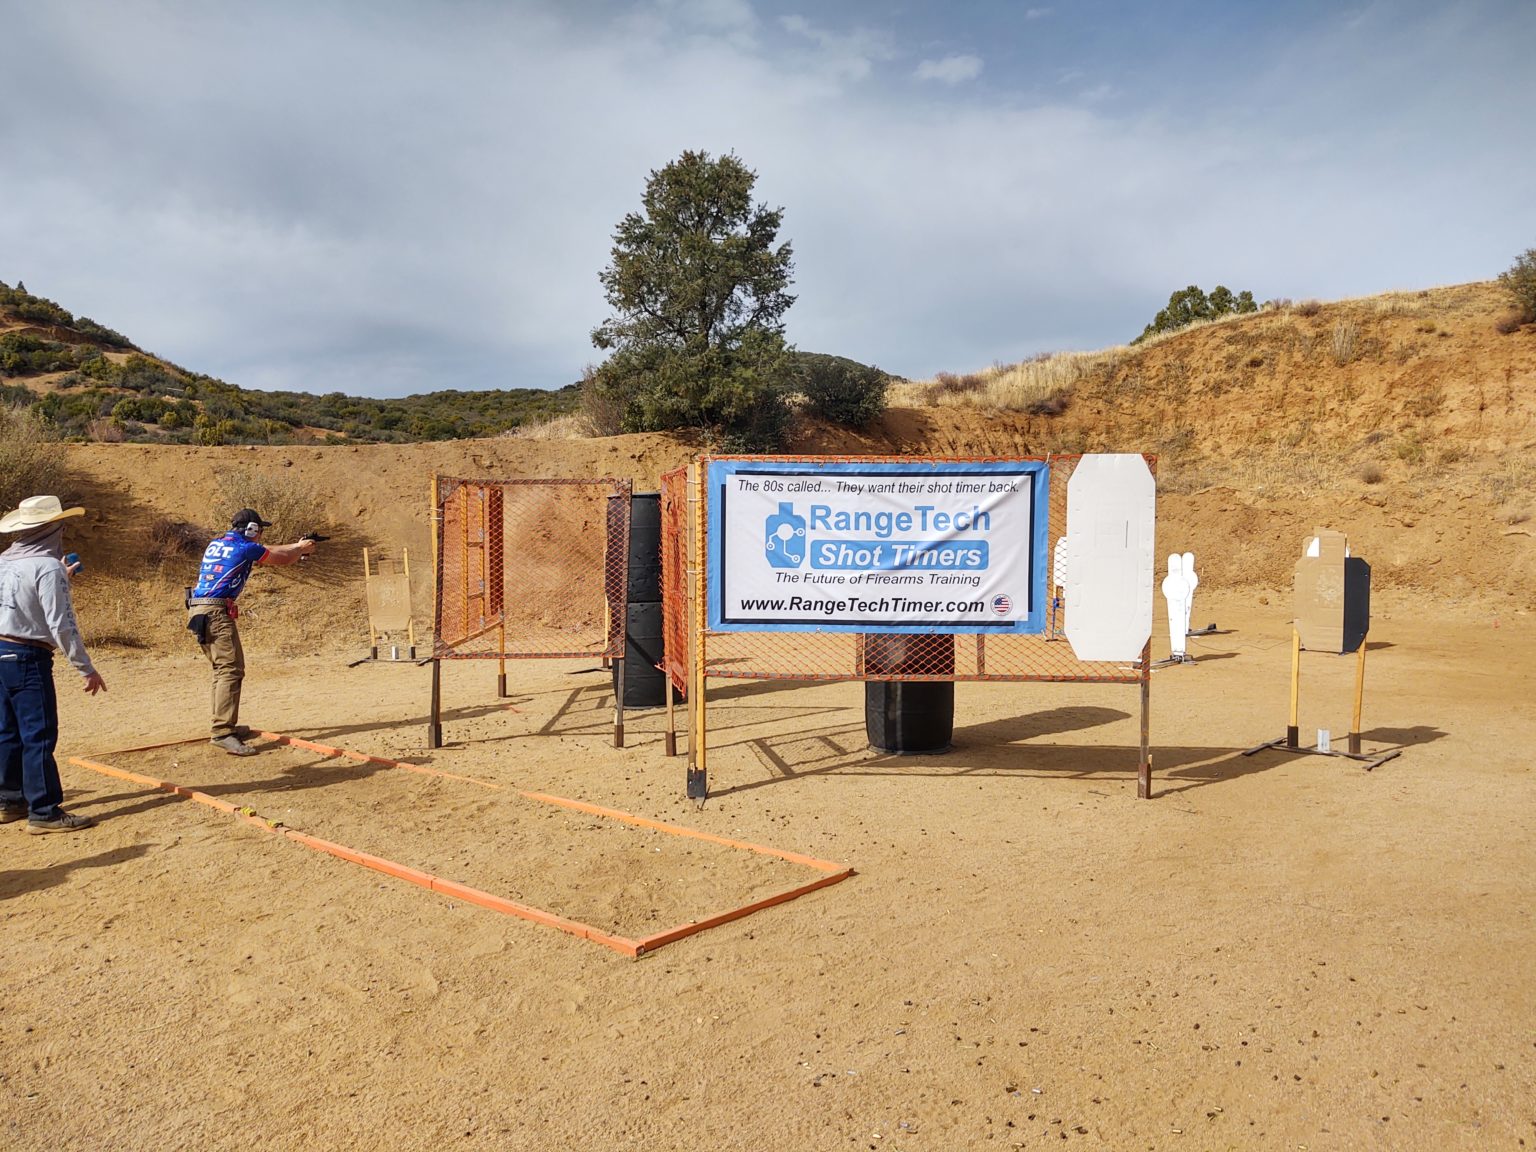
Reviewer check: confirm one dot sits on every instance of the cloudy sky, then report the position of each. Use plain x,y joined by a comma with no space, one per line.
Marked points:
382,197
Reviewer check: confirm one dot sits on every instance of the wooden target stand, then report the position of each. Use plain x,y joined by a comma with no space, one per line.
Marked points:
389,608
1333,598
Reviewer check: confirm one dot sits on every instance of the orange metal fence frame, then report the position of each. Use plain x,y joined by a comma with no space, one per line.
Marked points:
694,653
528,569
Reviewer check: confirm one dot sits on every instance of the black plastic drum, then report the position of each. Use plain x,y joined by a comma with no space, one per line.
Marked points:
644,547
645,685
909,716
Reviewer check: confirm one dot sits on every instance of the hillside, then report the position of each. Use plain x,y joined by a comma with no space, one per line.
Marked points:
91,383
1420,444
1406,420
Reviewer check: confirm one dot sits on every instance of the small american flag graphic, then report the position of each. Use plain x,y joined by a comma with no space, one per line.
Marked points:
1002,605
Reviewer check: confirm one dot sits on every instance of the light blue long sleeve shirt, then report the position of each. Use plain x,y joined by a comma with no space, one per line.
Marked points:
35,605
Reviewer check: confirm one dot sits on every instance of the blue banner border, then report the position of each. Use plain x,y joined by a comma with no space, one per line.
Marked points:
719,471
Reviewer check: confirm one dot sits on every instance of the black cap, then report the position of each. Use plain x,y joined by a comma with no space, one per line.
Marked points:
248,516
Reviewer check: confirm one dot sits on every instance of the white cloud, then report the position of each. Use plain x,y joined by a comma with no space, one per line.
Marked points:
299,196
951,69
851,54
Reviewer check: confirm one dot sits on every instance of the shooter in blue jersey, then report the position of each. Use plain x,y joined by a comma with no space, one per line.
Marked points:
227,563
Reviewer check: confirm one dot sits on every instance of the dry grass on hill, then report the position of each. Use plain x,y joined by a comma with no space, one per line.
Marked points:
1407,419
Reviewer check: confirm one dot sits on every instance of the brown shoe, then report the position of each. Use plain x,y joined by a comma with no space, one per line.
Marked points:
63,822
12,812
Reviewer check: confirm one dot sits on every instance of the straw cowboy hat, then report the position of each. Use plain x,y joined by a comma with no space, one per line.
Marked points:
34,512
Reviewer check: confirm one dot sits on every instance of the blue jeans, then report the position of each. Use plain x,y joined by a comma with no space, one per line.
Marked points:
29,730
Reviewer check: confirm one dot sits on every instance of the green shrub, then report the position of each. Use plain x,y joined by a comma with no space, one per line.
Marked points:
24,355
41,311
71,414
1520,282
603,408
101,333
843,392
143,374
1190,304
759,422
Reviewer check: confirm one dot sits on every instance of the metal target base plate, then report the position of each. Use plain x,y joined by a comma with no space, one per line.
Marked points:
407,656
1283,745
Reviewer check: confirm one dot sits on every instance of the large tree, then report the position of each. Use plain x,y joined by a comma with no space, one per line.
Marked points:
698,288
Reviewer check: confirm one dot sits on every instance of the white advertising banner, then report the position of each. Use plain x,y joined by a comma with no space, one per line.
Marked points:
878,546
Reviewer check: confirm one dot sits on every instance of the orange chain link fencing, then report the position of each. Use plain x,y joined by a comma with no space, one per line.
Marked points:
529,569
846,655
676,588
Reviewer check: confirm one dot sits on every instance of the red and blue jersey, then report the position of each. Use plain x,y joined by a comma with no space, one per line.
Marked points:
227,563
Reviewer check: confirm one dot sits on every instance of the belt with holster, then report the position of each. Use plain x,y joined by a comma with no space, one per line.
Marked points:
197,623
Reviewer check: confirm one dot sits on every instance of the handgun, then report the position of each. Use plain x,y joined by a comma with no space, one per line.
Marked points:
315,536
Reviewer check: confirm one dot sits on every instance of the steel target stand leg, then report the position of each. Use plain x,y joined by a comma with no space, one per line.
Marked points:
435,721
435,708
671,717
1292,730
1144,767
618,703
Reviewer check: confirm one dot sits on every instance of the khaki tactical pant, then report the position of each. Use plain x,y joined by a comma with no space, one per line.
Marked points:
228,659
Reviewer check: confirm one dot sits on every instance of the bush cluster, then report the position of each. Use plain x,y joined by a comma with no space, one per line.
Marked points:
171,404
1190,304
24,355
1520,282
843,391
39,310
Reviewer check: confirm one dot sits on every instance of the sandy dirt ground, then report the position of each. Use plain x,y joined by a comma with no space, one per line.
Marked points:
1276,951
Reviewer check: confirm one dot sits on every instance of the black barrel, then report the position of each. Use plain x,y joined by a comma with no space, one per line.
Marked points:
909,716
645,685
645,547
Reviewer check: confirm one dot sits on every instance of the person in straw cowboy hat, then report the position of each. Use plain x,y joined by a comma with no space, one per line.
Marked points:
36,617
